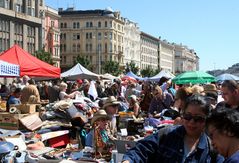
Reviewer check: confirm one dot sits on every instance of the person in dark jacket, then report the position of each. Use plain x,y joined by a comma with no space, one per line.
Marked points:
186,143
223,129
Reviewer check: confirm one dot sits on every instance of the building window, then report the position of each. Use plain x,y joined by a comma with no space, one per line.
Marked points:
106,35
106,24
64,47
41,3
78,25
29,10
33,11
18,8
78,47
87,35
74,48
110,24
87,24
106,48
78,36
99,36
91,47
91,24
74,25
99,24
62,25
110,35
65,25
2,3
64,59
52,23
29,3
111,48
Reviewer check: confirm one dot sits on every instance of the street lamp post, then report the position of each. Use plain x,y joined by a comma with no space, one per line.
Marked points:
99,54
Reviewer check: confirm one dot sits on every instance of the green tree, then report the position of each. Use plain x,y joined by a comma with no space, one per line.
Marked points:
148,72
132,67
112,67
44,56
83,61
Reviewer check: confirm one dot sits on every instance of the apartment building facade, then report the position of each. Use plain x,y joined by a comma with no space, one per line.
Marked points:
131,43
52,34
21,23
96,35
185,59
166,56
149,51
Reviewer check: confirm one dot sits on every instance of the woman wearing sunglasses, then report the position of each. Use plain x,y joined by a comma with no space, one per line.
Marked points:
223,129
183,143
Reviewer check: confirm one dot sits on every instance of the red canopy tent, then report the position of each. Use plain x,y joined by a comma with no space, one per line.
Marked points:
29,65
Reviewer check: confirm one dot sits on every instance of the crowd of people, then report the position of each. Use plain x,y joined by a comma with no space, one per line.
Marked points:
205,117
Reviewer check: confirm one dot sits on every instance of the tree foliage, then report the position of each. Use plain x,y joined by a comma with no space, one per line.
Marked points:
149,72
44,56
83,61
112,67
131,67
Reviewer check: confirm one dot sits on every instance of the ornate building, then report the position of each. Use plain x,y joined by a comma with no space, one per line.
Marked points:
52,34
131,43
97,35
185,59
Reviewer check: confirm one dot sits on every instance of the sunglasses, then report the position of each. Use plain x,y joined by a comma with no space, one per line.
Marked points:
195,118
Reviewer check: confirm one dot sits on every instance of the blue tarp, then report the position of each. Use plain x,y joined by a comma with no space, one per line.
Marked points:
131,74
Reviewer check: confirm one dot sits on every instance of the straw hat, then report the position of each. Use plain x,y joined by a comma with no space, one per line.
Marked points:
210,88
110,101
99,114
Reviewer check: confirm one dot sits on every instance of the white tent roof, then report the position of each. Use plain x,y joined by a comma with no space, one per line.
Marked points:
78,71
162,73
109,76
9,69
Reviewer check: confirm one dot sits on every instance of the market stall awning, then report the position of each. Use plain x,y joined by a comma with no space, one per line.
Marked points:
226,76
8,69
78,71
162,73
29,65
193,77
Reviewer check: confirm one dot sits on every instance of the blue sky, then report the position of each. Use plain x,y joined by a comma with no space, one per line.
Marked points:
210,27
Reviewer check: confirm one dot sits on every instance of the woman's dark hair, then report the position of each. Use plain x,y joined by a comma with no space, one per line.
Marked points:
198,100
225,120
17,90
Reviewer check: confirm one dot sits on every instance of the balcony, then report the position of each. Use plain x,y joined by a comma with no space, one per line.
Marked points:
54,30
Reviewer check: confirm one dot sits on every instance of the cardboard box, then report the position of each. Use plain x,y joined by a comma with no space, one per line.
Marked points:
25,108
10,121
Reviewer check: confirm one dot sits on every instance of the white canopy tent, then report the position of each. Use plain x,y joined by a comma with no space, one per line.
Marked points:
162,73
9,69
78,71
